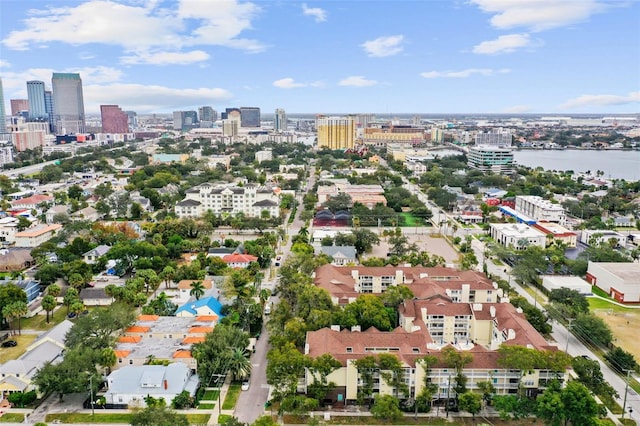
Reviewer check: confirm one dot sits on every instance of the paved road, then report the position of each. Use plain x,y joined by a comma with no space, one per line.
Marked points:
561,335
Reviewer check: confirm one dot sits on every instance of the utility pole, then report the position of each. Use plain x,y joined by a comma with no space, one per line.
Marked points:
566,349
91,394
448,390
626,389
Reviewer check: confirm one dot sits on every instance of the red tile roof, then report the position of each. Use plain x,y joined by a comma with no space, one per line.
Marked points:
239,258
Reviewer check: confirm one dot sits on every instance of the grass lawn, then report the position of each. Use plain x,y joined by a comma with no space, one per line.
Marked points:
39,322
88,418
12,418
210,395
223,418
232,397
206,406
124,418
595,303
410,220
409,420
598,291
24,340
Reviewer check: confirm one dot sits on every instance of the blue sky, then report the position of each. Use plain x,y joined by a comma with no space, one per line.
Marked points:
473,56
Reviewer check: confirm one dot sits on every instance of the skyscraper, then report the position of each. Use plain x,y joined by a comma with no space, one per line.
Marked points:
335,132
3,124
19,105
114,120
249,117
280,121
36,96
206,113
68,103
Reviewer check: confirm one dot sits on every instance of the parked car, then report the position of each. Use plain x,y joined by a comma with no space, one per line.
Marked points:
267,310
9,344
245,385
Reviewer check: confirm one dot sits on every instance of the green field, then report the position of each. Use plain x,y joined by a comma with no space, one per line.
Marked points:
124,418
12,418
232,397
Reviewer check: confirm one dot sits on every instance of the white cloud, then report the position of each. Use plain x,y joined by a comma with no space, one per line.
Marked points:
538,15
586,101
4,64
357,81
517,109
288,83
503,44
320,15
464,73
150,98
140,30
383,46
166,58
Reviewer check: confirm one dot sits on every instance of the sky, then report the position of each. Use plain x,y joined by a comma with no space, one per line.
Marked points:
365,56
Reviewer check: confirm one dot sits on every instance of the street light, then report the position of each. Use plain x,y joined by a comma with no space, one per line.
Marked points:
566,349
626,390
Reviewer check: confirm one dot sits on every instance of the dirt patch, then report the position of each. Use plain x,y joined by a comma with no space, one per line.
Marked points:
426,242
625,328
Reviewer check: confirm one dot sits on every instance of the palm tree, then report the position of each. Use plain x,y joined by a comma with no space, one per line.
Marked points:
239,363
167,274
49,304
108,358
54,290
69,297
77,307
197,289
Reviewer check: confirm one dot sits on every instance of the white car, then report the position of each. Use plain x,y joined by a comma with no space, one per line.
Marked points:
245,385
267,309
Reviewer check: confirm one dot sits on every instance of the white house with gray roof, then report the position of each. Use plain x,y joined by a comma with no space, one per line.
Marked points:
132,384
341,255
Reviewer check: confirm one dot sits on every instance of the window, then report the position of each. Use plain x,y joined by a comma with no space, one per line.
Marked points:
119,360
349,350
416,350
130,362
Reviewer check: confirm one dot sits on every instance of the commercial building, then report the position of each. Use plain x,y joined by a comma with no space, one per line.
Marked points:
3,117
517,235
249,117
68,103
114,120
251,200
36,99
23,140
6,152
620,280
18,106
207,114
33,237
185,120
595,237
540,209
335,132
280,121
490,159
265,155
498,138
558,232
554,282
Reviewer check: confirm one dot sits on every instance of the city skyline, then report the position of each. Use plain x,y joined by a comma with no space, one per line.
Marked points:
476,56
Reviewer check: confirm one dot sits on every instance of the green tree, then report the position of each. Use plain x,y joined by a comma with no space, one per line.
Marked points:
386,407
470,402
98,328
320,368
15,311
158,416
367,311
69,376
285,365
49,304
621,360
365,239
76,280
197,289
592,328
239,363
182,400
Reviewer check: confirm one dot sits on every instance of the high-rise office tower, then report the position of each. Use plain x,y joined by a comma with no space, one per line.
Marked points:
114,120
3,118
132,118
68,103
280,121
206,113
185,120
335,132
249,117
18,106
36,96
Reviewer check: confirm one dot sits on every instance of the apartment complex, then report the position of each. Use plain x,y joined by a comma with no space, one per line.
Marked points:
251,200
540,209
345,284
335,132
114,120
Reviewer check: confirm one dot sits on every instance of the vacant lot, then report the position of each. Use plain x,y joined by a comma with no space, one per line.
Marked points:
432,244
24,340
624,323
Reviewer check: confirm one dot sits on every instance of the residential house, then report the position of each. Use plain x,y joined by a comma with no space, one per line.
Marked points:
341,255
17,375
92,255
33,202
33,237
59,209
88,213
95,297
8,230
31,287
130,385
184,287
219,252
205,306
239,260
15,259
